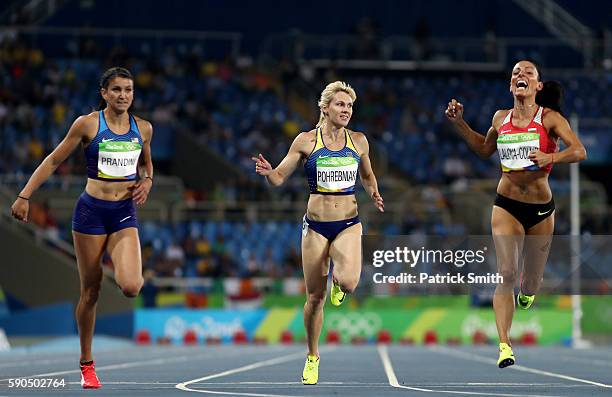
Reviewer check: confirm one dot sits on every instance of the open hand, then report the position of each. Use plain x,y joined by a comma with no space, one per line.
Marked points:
141,190
378,201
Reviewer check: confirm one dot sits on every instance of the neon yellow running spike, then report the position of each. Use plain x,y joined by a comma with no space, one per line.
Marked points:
524,301
506,357
336,296
310,375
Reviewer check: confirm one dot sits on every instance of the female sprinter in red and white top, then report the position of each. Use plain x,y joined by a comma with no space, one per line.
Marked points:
526,138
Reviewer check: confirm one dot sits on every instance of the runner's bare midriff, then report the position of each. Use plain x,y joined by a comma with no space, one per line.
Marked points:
525,186
109,191
328,208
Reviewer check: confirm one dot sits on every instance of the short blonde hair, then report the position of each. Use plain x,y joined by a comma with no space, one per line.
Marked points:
328,94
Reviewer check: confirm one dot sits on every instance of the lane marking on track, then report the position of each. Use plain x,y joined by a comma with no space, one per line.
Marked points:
587,361
487,360
259,364
346,384
135,364
384,357
70,359
386,361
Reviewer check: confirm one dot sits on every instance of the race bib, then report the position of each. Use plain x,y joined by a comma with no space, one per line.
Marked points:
336,174
514,150
118,160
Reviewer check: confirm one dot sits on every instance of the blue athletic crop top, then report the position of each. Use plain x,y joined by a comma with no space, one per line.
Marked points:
332,171
114,157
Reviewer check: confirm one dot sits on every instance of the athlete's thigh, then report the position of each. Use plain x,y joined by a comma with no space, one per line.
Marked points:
537,244
345,250
124,250
89,249
315,260
508,236
545,227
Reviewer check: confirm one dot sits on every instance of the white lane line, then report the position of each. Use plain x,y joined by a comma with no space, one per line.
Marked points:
293,383
278,389
129,383
249,367
342,384
384,356
386,361
482,359
260,364
133,364
587,361
475,393
506,384
70,359
564,357
346,384
30,363
237,394
595,352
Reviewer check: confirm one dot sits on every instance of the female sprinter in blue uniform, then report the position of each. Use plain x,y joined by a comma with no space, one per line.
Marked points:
333,157
526,138
104,216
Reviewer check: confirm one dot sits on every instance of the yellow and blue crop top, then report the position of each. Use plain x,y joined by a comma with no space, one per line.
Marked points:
332,171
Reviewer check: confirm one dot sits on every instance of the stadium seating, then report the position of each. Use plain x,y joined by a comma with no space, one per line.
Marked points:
238,112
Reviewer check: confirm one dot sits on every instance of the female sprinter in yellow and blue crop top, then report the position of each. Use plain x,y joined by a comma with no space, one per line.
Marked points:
333,157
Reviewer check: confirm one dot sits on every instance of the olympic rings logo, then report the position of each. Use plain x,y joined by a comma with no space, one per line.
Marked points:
355,324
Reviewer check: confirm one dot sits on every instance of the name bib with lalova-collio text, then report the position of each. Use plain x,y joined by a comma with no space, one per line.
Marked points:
336,174
514,150
118,160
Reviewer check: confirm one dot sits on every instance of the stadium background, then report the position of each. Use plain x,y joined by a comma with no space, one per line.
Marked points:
223,81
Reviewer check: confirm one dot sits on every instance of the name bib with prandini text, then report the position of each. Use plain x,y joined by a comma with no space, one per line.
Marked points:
118,160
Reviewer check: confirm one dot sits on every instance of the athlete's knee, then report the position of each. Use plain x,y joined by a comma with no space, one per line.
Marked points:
89,295
508,282
131,288
349,285
509,276
347,281
316,301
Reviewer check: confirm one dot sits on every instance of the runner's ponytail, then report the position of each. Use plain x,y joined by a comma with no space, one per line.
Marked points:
551,96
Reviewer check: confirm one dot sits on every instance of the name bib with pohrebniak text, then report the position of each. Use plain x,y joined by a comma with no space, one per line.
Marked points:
514,150
336,174
118,160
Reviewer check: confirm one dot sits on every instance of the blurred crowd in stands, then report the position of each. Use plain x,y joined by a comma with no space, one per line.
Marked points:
241,110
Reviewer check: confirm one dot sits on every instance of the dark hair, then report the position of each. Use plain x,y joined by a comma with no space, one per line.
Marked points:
108,76
551,95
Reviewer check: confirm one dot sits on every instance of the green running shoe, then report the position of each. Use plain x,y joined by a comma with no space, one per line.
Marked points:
336,296
506,357
524,301
310,375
